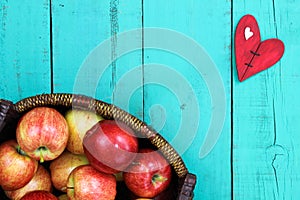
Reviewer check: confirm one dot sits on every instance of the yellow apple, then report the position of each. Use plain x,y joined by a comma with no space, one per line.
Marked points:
79,122
61,167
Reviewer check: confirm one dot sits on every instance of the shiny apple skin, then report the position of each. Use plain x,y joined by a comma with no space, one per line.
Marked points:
16,170
85,182
110,146
39,195
42,133
40,181
147,165
61,167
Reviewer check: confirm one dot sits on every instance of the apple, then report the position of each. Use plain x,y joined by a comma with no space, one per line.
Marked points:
61,167
79,122
40,181
149,174
85,182
39,195
16,168
110,146
63,197
42,133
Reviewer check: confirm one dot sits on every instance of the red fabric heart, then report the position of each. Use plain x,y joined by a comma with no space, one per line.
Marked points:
252,55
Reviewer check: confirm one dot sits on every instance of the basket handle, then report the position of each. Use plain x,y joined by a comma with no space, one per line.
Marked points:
188,186
7,113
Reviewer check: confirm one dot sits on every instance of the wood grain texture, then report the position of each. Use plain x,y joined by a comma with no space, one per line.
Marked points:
169,73
78,27
24,49
89,31
265,112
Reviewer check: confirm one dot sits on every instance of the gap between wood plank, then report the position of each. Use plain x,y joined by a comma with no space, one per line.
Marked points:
51,48
143,62
231,103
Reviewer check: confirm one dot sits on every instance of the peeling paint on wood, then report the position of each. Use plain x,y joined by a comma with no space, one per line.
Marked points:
114,29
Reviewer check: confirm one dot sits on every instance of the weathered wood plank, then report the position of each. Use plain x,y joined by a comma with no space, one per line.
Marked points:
78,27
86,46
265,113
24,49
178,102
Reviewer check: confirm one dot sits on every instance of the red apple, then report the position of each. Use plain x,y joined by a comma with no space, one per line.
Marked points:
85,182
39,195
42,133
16,168
61,167
110,146
40,181
148,175
79,122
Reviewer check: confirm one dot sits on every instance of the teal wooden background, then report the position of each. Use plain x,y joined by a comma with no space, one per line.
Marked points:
44,45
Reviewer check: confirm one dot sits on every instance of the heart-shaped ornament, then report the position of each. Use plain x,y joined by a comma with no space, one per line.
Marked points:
253,55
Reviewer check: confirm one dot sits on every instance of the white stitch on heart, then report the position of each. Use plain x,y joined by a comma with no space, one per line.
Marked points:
248,33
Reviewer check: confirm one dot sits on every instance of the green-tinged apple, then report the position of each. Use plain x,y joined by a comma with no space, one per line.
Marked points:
40,181
16,168
42,133
149,174
79,121
39,195
63,197
61,167
85,182
110,146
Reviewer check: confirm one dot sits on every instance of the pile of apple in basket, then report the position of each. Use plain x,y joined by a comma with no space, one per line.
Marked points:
86,156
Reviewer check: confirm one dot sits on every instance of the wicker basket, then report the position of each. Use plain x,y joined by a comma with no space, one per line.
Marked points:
183,182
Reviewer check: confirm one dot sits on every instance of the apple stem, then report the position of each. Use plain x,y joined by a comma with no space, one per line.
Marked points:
41,157
158,178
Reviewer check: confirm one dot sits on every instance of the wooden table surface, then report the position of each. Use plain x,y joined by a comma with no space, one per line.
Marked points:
72,46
